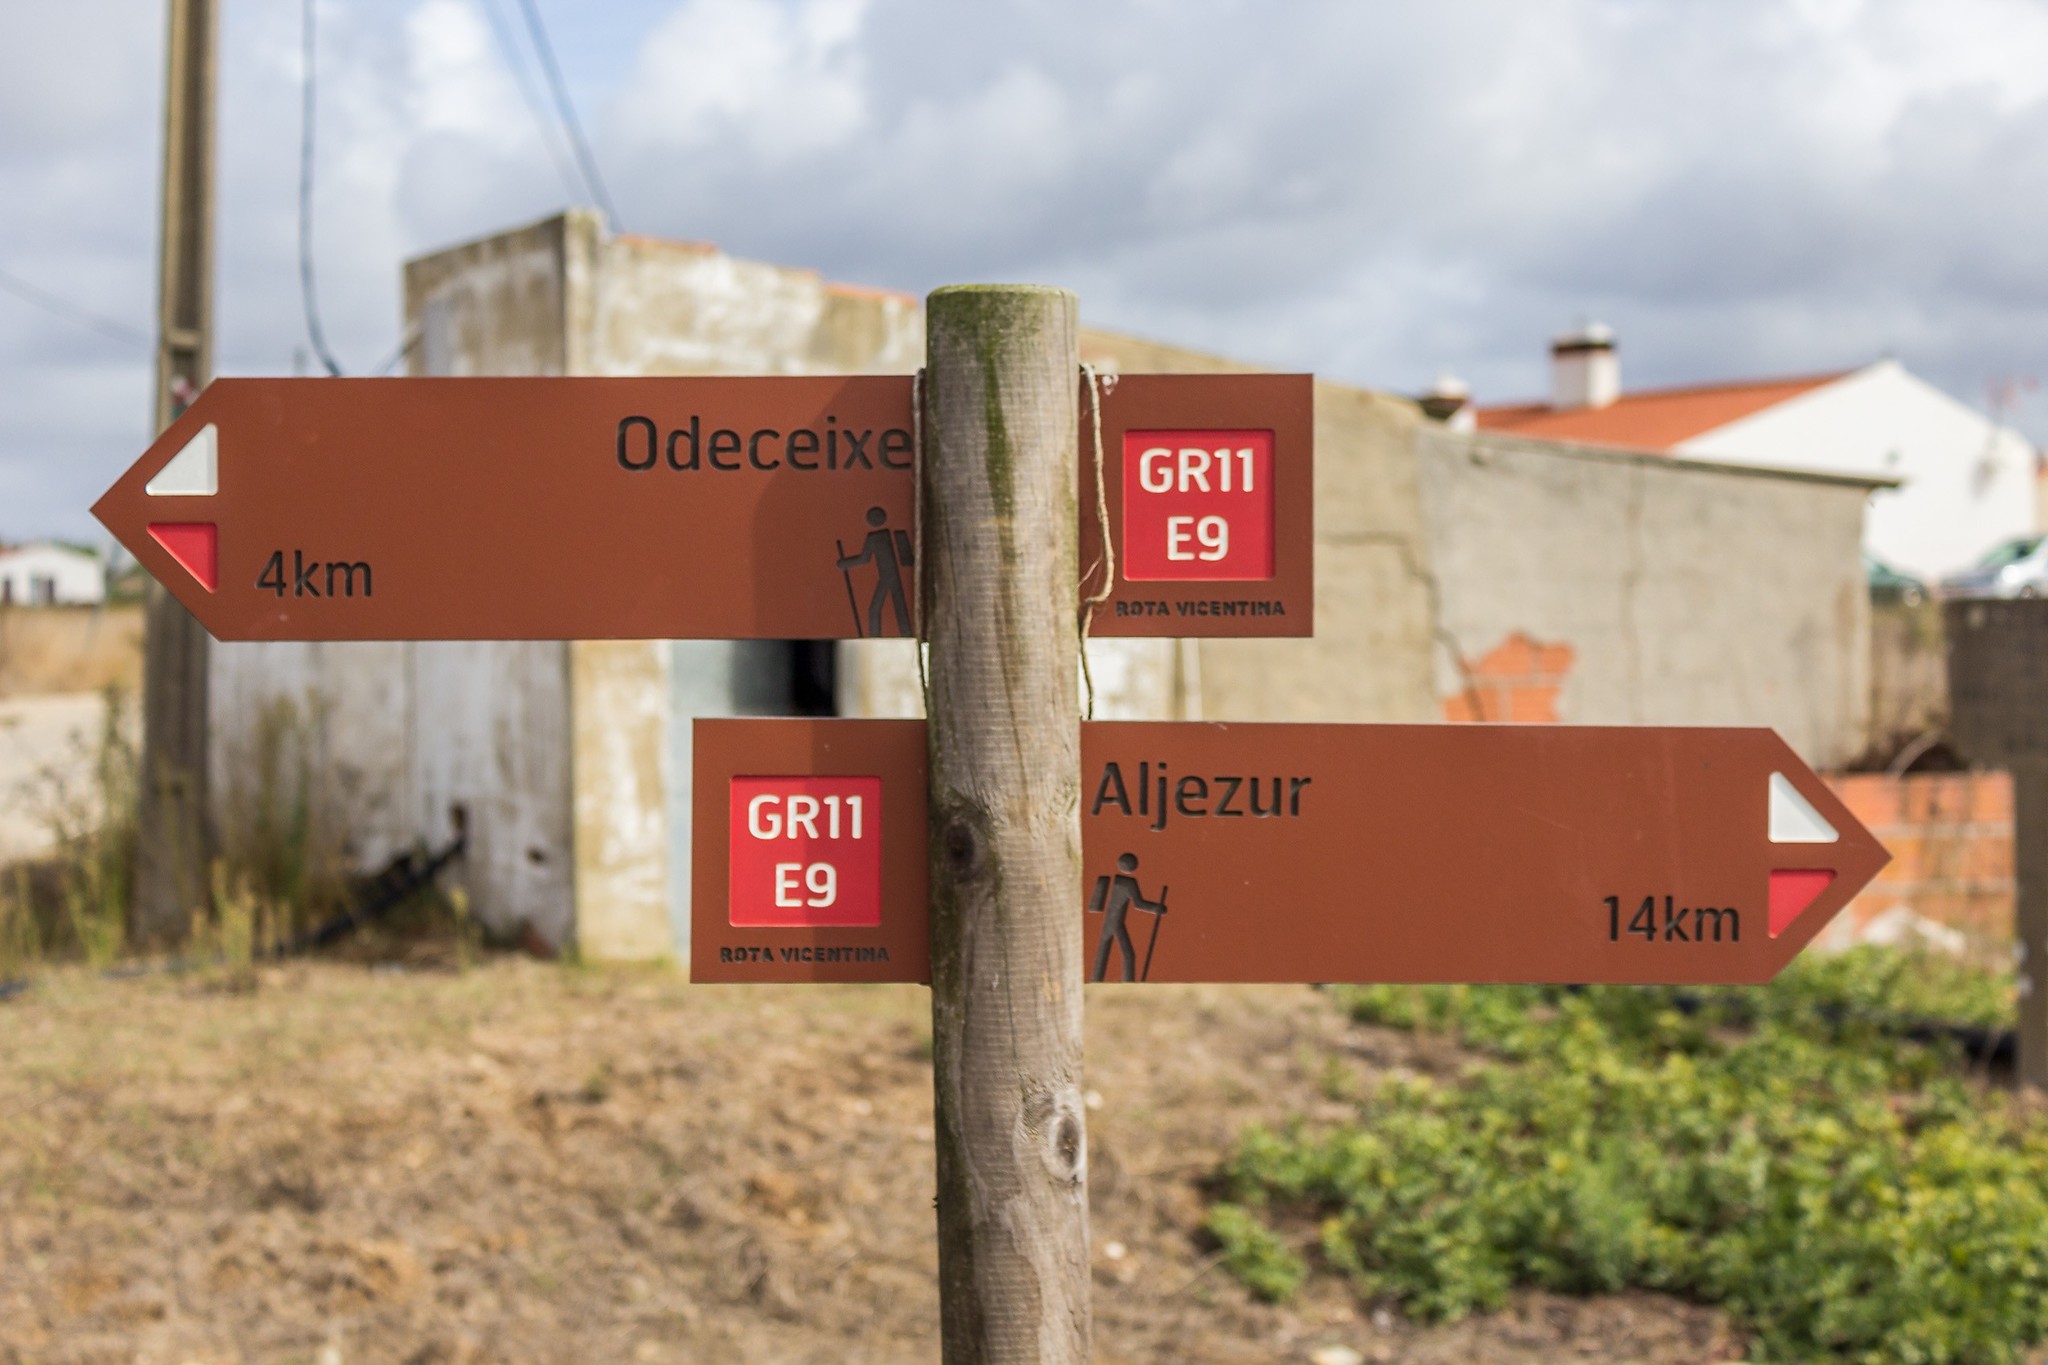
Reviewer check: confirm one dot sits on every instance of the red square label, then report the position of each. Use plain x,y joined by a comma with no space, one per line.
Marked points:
1198,505
806,851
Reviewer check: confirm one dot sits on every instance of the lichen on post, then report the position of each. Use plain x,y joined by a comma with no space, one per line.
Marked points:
999,584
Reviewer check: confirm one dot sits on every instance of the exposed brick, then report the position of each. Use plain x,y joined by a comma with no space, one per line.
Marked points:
1514,657
1520,679
1872,798
1529,704
1950,836
1930,854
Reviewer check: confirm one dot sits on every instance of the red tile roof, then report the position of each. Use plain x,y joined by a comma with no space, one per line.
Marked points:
1653,419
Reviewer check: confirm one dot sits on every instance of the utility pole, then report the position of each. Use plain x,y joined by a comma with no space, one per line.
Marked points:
171,850
999,574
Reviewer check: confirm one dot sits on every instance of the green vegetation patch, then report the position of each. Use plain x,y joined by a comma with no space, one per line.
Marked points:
1843,1190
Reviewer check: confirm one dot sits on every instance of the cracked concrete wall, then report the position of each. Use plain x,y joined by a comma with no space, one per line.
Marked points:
1688,593
680,308
565,297
653,307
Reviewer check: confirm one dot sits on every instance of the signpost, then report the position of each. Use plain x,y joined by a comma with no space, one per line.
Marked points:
1365,853
1005,853
680,508
1998,714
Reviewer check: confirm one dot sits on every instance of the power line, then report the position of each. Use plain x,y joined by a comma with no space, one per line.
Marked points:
536,104
306,292
400,352
568,112
72,313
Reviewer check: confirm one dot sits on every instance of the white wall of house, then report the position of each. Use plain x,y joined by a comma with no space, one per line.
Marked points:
1967,482
52,575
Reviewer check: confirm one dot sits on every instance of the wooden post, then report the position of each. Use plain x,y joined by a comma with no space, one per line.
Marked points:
1998,717
171,843
999,572
2030,875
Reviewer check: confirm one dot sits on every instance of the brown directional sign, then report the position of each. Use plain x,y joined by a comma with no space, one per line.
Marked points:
1306,853
697,508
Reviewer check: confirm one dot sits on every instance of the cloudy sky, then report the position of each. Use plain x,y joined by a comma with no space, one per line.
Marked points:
1375,191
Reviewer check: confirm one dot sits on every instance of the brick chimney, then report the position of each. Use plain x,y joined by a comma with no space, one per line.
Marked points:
1585,372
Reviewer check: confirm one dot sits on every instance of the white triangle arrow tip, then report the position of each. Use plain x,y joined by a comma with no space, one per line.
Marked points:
193,471
1793,818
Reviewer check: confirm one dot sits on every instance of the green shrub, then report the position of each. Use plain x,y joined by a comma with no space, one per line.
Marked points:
1254,1254
1783,1152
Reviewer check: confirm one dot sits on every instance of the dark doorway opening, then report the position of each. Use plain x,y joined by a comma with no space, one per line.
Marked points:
786,678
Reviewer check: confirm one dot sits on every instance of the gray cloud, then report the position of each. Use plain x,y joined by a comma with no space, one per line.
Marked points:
1372,191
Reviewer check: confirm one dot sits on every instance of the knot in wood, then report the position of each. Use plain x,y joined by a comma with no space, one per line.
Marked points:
1053,1118
962,846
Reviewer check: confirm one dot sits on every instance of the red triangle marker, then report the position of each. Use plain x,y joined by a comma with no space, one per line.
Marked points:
194,544
1792,890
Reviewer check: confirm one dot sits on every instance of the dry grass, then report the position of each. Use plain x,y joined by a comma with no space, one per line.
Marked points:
70,649
522,1162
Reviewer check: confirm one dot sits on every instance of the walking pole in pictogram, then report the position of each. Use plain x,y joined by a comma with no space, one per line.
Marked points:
1158,914
846,577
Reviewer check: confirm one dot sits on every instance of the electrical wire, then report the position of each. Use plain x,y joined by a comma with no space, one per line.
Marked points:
584,159
400,352
72,313
536,103
307,295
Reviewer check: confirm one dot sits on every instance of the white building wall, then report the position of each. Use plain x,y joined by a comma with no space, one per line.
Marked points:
490,722
345,708
72,577
1968,483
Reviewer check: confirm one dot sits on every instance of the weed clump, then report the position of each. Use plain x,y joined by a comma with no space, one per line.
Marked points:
1786,1152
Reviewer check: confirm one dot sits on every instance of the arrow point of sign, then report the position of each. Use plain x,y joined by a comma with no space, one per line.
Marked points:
194,544
1792,890
193,472
1793,818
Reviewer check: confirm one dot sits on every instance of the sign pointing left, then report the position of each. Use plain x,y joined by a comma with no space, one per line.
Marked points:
525,508
774,507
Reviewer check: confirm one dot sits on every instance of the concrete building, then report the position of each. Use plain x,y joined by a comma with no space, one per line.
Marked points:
1452,568
1964,483
46,574
561,756
1579,583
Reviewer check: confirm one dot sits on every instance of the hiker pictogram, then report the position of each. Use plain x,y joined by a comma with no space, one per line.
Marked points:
1113,899
890,552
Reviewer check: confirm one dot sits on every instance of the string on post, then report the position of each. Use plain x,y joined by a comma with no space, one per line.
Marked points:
1101,594
924,683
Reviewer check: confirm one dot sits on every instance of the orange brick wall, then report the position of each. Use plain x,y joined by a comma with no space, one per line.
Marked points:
1950,836
1518,680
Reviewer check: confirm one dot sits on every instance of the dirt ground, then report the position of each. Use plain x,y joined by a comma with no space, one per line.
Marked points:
534,1163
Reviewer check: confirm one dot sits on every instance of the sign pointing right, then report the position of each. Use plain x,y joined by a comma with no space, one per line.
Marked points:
1302,853
1467,853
